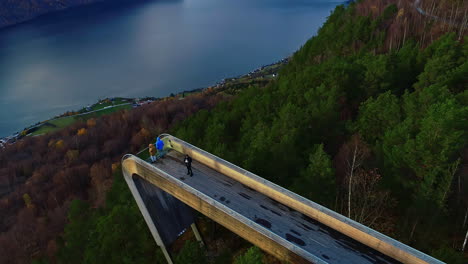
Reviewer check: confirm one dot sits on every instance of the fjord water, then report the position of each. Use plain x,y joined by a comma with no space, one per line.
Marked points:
66,60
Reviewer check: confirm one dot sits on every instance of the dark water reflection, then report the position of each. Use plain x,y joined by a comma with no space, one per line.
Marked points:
70,59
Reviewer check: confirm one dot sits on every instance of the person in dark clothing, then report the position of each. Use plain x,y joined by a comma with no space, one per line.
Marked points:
188,163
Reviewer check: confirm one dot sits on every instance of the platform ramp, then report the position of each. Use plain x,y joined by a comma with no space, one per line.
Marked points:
280,222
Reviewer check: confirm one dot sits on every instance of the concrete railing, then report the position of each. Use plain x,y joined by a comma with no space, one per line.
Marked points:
338,222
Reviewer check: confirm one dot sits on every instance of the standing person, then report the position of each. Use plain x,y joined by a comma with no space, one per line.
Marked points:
152,151
160,147
188,163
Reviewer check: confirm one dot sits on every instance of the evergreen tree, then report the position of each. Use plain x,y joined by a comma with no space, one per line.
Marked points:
253,256
317,181
191,253
376,116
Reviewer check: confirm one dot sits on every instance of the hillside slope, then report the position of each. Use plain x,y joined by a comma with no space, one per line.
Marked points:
41,176
369,118
380,84
363,90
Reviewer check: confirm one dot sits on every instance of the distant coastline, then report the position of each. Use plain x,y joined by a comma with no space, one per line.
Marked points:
20,11
261,75
53,58
15,12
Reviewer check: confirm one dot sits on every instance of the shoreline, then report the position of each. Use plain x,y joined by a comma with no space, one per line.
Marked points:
12,129
266,72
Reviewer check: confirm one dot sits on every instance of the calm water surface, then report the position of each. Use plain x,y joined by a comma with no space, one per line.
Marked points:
67,60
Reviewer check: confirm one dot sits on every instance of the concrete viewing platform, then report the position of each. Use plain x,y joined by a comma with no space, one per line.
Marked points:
292,226
280,222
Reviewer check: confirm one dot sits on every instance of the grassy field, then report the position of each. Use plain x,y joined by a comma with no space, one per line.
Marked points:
261,76
107,111
117,101
60,123
54,125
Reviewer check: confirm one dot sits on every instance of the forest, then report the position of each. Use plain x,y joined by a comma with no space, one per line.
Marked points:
40,177
364,121
369,118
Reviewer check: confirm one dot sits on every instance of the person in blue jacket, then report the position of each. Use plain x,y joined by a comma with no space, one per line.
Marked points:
160,146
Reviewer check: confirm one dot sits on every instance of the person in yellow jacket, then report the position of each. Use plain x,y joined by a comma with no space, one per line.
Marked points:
152,151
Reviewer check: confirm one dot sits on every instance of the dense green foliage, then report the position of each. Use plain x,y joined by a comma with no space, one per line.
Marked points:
117,233
405,111
191,253
320,187
253,256
408,105
114,234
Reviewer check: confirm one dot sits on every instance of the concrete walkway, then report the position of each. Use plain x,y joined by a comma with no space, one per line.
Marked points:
294,227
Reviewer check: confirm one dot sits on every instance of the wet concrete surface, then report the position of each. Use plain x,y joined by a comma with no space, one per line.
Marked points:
300,230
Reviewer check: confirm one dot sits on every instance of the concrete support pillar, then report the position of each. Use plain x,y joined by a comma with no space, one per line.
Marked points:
166,254
197,234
